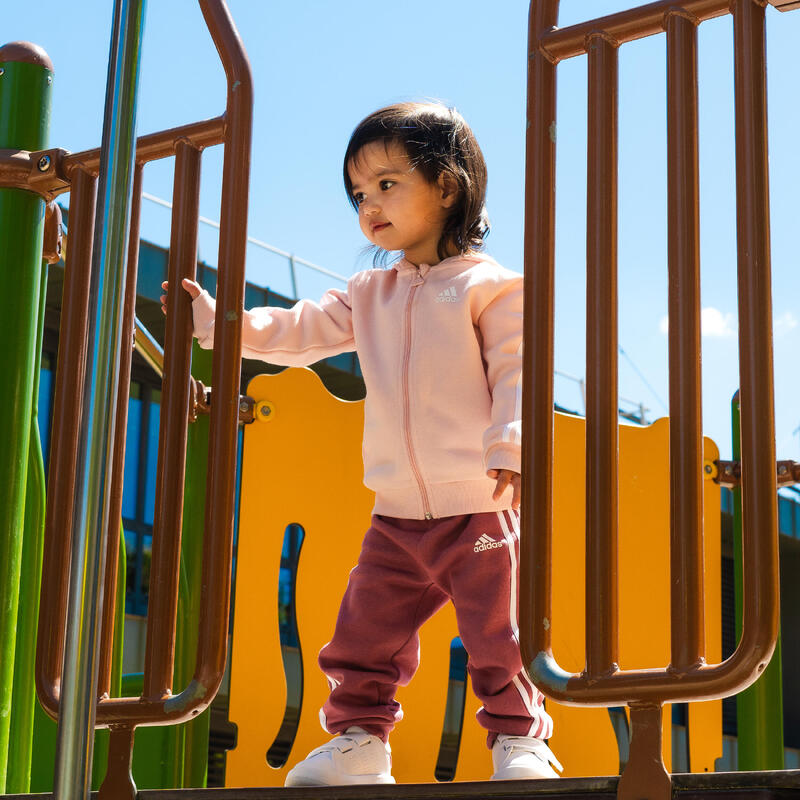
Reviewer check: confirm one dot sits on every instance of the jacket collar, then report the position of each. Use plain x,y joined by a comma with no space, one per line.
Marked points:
456,263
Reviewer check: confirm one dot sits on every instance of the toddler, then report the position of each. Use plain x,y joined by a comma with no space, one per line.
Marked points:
439,338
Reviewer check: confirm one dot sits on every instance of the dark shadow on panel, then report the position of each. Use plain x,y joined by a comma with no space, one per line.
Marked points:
619,722
291,652
447,761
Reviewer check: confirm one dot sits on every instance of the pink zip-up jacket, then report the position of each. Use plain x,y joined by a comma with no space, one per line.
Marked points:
441,354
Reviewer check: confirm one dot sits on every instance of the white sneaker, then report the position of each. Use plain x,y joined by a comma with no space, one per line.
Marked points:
518,757
352,757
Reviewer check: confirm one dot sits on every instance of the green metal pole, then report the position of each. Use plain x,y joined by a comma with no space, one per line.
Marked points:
25,89
101,736
194,733
23,703
759,708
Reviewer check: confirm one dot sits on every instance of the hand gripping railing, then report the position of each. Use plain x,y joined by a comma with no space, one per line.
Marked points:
78,172
688,676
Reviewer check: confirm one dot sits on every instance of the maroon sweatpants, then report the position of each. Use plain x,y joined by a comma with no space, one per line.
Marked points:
408,569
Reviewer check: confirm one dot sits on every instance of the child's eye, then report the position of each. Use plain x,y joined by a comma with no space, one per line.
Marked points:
358,198
386,185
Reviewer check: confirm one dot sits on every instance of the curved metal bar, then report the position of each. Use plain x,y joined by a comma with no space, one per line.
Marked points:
64,442
161,706
682,680
624,26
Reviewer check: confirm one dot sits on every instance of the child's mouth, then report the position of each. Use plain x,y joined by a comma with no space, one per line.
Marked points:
380,226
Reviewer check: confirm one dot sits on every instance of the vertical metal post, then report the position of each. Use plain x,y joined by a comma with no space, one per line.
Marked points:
109,262
685,433
293,274
26,75
602,347
759,708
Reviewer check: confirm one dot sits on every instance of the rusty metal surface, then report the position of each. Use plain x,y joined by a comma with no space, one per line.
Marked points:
118,781
686,435
155,146
53,240
602,445
64,443
171,469
160,705
693,680
688,676
49,172
729,473
625,26
645,777
104,687
785,5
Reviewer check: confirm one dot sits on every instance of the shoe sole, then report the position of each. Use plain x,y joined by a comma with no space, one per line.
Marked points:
372,780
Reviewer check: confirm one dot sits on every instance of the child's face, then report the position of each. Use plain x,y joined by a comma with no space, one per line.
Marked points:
398,209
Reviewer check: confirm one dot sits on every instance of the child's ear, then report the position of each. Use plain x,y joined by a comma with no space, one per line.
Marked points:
449,189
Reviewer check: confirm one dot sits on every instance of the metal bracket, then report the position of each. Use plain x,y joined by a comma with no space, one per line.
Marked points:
729,473
200,403
52,244
40,172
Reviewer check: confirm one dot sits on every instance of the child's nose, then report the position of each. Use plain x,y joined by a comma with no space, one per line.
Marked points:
369,207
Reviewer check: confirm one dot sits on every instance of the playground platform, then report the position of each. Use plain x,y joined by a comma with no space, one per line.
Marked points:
690,786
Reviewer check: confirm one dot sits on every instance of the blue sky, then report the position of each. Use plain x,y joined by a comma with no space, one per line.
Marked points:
320,66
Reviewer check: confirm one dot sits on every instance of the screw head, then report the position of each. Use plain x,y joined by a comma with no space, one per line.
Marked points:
2,71
243,405
44,163
49,79
708,468
782,470
265,411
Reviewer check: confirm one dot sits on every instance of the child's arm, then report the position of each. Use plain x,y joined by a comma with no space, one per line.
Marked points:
296,336
500,324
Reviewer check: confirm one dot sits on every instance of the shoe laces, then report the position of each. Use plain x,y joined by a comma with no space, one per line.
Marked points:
529,744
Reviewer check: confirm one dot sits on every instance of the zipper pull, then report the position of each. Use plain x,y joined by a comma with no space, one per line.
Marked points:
418,279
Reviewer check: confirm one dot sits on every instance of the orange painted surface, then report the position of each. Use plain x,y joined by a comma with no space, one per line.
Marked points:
302,464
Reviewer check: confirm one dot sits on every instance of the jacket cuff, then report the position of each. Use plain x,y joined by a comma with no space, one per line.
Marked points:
204,309
504,455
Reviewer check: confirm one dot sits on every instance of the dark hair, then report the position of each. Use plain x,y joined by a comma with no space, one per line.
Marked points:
436,140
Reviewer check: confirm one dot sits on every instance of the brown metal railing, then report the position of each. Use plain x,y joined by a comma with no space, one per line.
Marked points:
688,676
78,172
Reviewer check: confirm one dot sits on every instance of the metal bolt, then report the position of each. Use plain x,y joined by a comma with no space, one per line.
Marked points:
243,405
782,469
707,469
44,163
727,470
2,71
265,411
49,79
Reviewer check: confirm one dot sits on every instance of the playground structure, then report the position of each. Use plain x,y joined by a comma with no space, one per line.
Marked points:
36,175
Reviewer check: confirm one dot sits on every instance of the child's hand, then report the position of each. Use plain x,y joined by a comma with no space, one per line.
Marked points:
189,285
506,478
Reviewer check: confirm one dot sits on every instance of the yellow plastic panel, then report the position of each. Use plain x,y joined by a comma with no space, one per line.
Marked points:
302,464
583,737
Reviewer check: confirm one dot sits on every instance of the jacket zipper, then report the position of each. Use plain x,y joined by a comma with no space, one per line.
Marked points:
415,283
